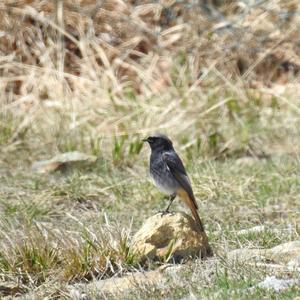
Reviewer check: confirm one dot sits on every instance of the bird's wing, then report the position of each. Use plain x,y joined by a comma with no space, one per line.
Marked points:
177,169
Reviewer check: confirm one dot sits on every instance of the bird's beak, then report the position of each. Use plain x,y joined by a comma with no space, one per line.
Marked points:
145,140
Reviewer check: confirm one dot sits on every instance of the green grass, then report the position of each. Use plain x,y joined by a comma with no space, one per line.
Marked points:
74,226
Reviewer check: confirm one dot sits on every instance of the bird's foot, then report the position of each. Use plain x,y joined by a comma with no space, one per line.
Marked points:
163,212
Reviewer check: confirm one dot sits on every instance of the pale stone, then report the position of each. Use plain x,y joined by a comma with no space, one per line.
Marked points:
255,229
118,285
67,159
170,236
276,284
287,254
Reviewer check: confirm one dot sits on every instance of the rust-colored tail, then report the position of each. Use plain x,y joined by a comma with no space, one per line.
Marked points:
197,219
191,203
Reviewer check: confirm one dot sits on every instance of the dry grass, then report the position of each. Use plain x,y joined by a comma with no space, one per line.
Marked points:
115,68
52,235
39,251
221,79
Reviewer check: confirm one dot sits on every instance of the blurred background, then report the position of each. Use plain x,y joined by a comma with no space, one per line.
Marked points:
220,77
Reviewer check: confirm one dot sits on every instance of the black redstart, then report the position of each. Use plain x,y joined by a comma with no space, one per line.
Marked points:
169,175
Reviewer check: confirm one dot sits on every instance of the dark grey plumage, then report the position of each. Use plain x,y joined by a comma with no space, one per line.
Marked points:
169,175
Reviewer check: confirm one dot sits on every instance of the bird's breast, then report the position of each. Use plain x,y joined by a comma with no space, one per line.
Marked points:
162,177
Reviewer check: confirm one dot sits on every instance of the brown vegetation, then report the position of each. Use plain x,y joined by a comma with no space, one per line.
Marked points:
138,40
70,66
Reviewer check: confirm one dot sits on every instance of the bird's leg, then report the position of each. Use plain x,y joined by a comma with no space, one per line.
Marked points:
171,199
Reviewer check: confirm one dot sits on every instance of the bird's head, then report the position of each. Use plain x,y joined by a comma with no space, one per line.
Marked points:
159,142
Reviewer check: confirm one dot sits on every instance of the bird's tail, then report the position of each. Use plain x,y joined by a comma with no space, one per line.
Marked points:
197,219
191,203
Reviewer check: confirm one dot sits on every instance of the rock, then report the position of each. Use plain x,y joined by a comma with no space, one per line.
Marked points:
170,236
129,281
287,254
115,286
255,229
64,160
278,285
246,161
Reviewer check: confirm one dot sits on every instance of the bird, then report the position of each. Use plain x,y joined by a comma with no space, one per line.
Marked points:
169,175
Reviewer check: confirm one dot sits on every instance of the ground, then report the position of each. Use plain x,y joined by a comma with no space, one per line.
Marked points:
54,227
87,83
